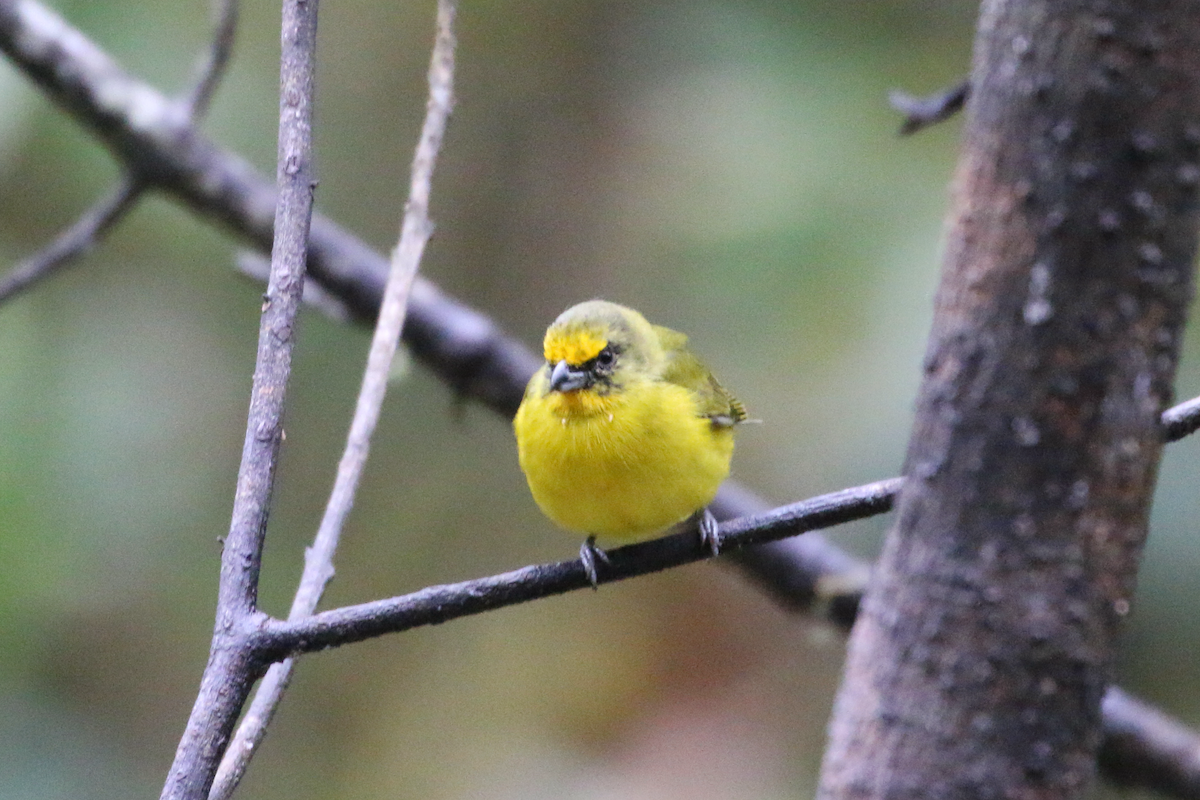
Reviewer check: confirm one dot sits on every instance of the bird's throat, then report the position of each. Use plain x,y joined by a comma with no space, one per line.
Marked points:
580,405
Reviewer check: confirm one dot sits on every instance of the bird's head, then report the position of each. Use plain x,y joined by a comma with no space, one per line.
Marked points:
596,347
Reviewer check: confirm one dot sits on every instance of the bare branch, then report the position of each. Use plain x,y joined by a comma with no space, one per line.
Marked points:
98,220
921,112
74,242
211,67
1181,420
145,133
231,670
406,259
1145,747
437,604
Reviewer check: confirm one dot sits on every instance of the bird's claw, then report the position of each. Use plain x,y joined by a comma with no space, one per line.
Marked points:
710,532
589,554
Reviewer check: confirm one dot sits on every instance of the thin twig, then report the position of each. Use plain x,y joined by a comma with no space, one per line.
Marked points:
214,60
406,259
1181,420
75,241
921,112
232,668
1144,747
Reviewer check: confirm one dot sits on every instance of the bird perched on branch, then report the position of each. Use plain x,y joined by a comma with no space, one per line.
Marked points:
623,432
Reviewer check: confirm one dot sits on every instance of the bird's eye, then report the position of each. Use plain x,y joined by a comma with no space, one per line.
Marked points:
605,358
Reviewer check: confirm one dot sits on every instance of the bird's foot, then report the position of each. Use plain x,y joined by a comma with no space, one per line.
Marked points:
589,554
710,532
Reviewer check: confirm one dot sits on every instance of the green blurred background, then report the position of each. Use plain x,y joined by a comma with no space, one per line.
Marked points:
730,168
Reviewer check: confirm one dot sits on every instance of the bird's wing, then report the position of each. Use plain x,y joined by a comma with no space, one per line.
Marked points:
684,369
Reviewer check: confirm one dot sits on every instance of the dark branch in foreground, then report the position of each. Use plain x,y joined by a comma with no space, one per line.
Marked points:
463,347
231,669
436,604
921,112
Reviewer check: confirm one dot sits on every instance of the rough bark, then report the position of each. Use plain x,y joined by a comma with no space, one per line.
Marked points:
979,659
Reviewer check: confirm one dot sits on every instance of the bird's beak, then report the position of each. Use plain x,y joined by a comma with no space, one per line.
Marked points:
565,378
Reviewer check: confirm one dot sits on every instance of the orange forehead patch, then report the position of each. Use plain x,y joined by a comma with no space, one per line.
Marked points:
575,347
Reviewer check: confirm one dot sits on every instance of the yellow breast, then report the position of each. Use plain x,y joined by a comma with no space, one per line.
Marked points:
624,466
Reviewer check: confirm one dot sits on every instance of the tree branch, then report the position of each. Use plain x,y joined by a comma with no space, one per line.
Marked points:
214,61
74,242
1144,747
231,668
921,112
1181,420
136,123
406,258
98,220
437,604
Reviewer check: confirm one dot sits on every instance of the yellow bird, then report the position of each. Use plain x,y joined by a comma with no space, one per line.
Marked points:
623,433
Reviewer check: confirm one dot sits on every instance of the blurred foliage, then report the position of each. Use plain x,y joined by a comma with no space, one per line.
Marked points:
729,168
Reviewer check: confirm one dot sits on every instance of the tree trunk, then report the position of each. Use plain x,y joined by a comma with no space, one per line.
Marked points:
981,654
